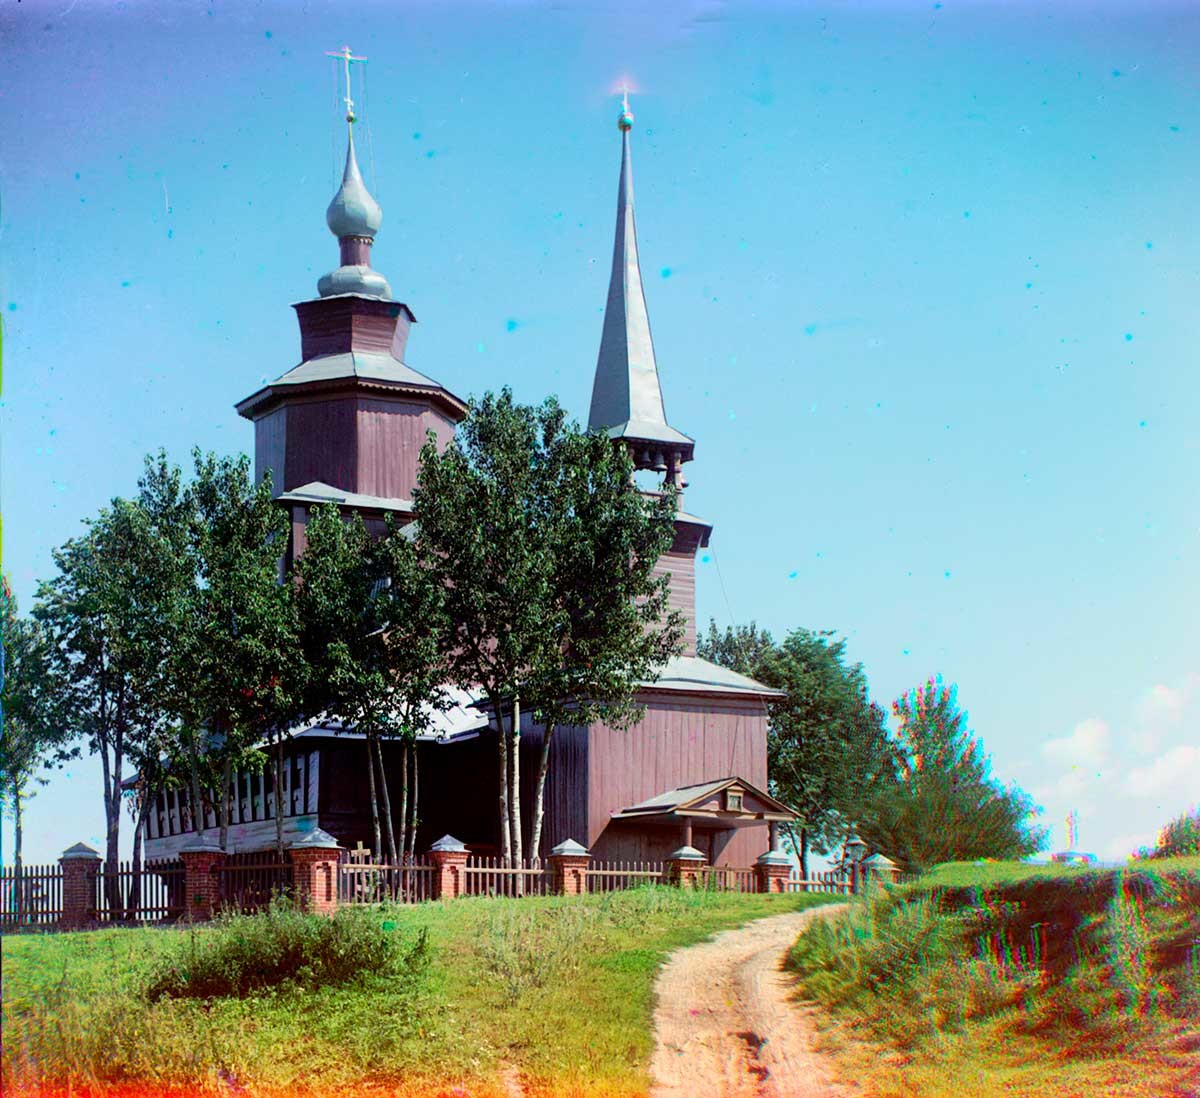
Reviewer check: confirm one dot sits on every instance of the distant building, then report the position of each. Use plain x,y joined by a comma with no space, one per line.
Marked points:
346,425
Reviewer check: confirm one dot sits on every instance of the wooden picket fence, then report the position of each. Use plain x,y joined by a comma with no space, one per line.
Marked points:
727,878
615,876
366,881
154,896
248,882
830,881
31,898
491,877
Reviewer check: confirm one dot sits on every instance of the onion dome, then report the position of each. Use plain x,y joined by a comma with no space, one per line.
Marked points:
354,218
353,212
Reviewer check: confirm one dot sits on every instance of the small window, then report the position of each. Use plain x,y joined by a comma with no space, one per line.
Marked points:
733,801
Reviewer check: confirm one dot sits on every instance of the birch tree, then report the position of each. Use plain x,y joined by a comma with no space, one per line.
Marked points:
546,552
371,623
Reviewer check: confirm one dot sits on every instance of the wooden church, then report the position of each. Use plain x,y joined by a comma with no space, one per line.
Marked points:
346,425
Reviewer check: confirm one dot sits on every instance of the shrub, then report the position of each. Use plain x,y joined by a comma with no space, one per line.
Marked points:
243,954
1180,837
1095,959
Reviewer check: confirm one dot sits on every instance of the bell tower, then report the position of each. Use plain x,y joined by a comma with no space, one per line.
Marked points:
348,422
627,399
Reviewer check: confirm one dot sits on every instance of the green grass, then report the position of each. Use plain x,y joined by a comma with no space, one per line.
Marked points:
559,989
1011,979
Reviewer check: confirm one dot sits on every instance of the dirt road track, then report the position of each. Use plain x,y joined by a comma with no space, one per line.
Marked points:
726,1025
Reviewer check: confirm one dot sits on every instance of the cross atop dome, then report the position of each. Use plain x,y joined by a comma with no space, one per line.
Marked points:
353,216
627,400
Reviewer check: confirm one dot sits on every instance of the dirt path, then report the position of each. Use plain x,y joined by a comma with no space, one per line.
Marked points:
726,1026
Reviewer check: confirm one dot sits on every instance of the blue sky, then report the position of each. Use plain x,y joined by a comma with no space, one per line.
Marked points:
924,281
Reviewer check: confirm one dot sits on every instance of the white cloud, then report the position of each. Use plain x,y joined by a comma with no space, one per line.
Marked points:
1087,745
1125,776
1175,774
1161,710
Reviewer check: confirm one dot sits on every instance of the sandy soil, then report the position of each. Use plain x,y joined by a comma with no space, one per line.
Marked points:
726,1024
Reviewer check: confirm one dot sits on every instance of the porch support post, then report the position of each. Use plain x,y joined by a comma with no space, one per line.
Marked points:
315,871
79,864
687,831
568,861
449,855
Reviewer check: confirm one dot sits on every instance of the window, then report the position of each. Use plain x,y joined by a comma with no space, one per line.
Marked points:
733,801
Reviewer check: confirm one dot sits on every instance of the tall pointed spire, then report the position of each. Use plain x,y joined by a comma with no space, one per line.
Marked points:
353,217
627,399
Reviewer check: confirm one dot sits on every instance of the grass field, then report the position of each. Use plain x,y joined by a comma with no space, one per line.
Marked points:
558,991
1020,981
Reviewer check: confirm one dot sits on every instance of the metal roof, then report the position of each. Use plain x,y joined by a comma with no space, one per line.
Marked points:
697,673
318,491
367,365
687,796
627,397
353,212
462,720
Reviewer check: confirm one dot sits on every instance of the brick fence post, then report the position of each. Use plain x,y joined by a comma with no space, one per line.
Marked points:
772,870
449,856
315,870
201,883
568,861
79,864
684,866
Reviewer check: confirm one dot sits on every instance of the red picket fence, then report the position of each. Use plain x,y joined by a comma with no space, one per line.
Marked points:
614,876
491,877
31,898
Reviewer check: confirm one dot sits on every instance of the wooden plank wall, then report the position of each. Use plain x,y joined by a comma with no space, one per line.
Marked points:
270,434
321,443
390,436
679,563
566,784
682,740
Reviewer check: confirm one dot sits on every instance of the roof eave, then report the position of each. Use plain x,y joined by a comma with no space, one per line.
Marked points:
275,393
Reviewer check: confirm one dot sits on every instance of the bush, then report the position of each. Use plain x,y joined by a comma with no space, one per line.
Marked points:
243,954
1094,959
1178,838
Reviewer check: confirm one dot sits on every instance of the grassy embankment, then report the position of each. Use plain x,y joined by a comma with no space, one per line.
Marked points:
557,990
1016,980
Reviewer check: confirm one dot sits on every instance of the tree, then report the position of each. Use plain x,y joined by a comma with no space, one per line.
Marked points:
498,510
1178,837
371,629
33,736
236,668
745,649
615,632
826,741
108,635
941,803
478,522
